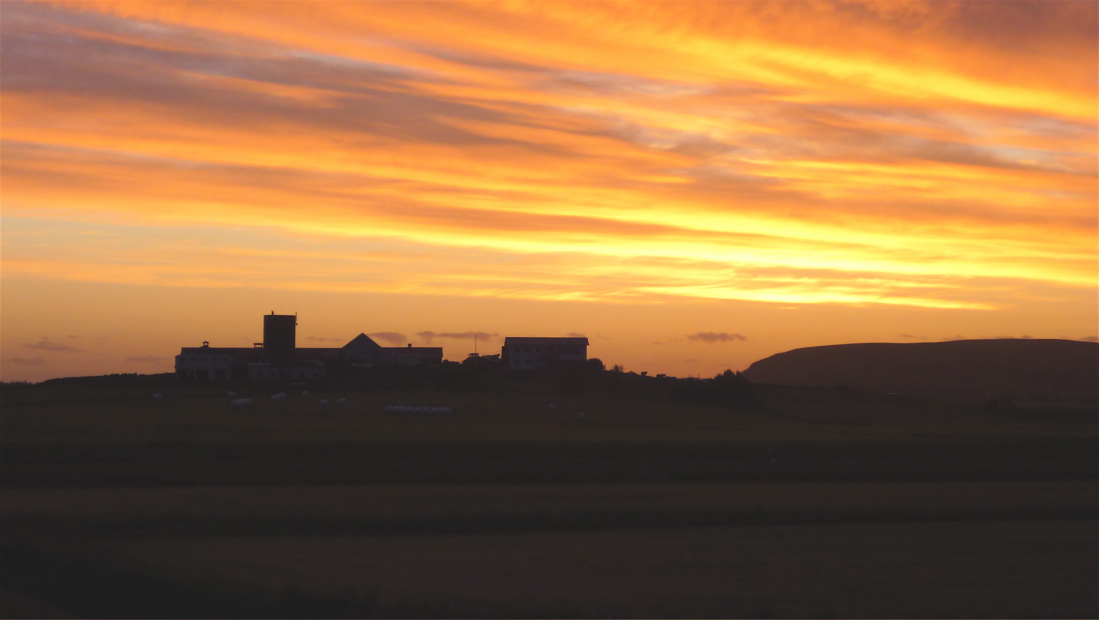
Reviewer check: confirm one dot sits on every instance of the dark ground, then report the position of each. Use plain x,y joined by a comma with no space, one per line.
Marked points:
807,503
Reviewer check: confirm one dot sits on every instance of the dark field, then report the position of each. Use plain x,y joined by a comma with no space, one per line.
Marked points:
810,503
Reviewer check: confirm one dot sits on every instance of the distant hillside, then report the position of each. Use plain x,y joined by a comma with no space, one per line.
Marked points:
1034,371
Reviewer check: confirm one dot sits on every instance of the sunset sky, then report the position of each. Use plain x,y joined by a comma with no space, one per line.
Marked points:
691,185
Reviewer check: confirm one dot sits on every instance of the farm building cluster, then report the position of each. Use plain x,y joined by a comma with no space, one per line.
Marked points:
278,358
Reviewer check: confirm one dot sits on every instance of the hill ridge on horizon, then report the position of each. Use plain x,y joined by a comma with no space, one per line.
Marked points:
1021,369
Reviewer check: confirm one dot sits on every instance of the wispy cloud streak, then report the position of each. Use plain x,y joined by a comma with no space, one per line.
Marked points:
713,337
749,150
429,336
392,338
45,344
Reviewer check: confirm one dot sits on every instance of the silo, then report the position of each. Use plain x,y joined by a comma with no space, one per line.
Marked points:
279,337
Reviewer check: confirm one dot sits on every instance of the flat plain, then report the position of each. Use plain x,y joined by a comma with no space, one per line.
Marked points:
807,503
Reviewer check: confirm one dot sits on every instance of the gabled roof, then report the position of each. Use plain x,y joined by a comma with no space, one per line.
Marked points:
362,341
512,341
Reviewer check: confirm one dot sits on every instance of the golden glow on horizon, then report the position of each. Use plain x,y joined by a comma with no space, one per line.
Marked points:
868,154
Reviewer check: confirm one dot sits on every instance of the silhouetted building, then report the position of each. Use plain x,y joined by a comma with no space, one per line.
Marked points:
298,371
412,356
365,352
278,357
279,331
208,363
535,353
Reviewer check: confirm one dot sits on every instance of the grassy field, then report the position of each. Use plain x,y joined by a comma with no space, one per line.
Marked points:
808,503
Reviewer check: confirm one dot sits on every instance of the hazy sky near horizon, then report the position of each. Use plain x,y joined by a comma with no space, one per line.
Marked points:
692,185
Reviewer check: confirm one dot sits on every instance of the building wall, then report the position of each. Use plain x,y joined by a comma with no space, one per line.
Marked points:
532,356
279,337
267,372
411,356
208,366
280,359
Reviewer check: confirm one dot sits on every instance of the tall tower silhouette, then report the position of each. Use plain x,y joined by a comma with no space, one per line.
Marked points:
279,337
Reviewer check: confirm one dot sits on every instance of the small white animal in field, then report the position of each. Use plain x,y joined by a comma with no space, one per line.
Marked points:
341,401
305,393
323,402
241,402
279,396
581,415
157,397
232,394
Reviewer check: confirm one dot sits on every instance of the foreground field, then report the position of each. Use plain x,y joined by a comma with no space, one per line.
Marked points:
811,503
936,569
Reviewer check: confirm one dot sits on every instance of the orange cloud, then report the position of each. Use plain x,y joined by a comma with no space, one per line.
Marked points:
902,154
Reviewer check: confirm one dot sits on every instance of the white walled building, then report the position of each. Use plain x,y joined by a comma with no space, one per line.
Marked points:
280,359
536,353
205,363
